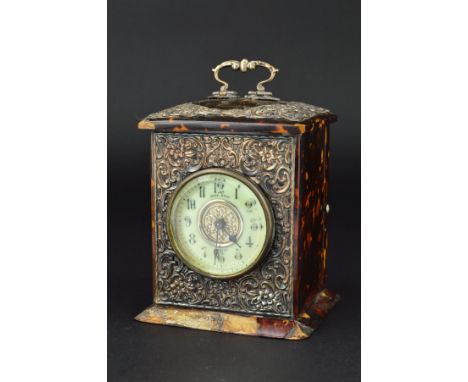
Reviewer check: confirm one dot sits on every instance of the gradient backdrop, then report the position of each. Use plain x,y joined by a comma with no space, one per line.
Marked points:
161,54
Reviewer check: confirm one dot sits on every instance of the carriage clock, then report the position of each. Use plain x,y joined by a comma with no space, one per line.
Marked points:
239,209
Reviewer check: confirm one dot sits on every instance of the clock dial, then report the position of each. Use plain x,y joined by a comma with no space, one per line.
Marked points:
220,223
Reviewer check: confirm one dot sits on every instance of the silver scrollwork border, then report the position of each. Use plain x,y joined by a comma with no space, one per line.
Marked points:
269,162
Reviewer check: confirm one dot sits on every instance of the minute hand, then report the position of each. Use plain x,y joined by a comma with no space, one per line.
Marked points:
216,251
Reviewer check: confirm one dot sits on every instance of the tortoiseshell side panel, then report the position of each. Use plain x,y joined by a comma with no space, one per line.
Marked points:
311,212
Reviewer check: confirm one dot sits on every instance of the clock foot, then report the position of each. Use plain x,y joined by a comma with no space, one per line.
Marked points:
292,329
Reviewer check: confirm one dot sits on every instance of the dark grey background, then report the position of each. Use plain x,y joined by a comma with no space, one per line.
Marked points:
161,54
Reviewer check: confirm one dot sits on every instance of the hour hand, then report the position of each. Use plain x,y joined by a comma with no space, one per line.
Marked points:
233,238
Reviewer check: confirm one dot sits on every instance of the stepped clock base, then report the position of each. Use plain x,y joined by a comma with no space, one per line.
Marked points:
299,328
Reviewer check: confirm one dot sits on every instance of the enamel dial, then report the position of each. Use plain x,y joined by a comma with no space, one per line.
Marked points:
220,224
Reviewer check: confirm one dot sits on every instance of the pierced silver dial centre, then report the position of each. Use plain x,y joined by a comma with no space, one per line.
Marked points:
220,222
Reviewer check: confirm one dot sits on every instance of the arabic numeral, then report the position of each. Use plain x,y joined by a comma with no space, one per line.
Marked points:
218,256
236,191
255,226
250,203
218,185
190,204
192,238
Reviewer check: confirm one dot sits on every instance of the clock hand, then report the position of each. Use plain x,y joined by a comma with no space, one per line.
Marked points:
232,238
216,251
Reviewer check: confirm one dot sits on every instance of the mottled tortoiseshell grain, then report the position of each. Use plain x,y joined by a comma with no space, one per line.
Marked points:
311,301
310,225
301,327
249,128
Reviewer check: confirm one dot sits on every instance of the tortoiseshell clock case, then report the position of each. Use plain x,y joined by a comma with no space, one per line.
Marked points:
283,147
